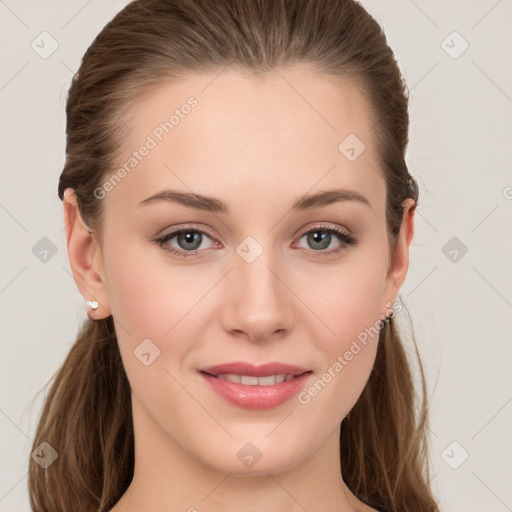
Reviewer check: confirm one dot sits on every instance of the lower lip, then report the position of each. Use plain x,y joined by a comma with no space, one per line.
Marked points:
256,397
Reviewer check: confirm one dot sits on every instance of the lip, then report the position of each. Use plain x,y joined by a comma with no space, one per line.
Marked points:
255,396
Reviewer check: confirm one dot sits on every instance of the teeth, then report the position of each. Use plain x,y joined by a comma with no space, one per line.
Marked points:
250,380
267,381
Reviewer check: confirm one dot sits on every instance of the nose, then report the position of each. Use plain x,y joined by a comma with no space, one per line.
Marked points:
260,304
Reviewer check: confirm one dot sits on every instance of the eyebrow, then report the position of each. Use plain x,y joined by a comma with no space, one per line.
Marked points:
212,204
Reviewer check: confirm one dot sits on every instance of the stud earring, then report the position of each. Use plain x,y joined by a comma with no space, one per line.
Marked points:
93,304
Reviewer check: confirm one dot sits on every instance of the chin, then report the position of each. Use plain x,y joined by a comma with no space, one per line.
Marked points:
253,458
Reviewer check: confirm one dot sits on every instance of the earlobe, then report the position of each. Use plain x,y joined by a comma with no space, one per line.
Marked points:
84,257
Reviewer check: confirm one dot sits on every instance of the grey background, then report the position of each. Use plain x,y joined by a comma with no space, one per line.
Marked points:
460,302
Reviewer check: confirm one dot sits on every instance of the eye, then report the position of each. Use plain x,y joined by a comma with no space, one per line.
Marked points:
321,237
188,241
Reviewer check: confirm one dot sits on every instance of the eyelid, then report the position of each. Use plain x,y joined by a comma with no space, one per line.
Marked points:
188,227
326,226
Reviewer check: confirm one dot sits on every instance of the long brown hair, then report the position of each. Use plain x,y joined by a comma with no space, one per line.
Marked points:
86,416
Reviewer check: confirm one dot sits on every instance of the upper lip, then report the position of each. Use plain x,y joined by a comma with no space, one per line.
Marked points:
264,370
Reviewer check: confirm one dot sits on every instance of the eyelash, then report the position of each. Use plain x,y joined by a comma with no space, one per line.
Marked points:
345,239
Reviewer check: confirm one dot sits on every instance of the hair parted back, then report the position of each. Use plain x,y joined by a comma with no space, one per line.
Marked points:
86,416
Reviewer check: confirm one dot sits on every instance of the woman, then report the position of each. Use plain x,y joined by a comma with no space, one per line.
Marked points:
238,217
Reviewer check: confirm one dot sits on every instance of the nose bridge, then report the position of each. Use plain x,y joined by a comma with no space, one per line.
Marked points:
261,303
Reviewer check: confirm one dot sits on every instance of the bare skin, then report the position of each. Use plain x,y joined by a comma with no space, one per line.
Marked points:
257,145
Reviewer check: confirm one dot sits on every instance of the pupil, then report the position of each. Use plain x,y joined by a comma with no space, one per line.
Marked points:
190,238
321,237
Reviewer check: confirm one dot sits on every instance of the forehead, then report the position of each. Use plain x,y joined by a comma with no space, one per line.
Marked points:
287,132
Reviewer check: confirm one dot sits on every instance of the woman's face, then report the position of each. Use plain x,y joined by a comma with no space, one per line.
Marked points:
258,277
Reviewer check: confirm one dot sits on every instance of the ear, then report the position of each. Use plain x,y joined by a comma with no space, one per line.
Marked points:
400,255
85,257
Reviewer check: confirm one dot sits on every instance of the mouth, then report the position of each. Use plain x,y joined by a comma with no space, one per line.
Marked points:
252,380
245,369
255,387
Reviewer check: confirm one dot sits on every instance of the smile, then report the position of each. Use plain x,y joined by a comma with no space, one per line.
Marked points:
250,380
255,387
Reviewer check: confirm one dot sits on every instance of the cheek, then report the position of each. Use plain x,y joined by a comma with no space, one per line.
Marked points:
347,357
351,304
350,313
147,294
